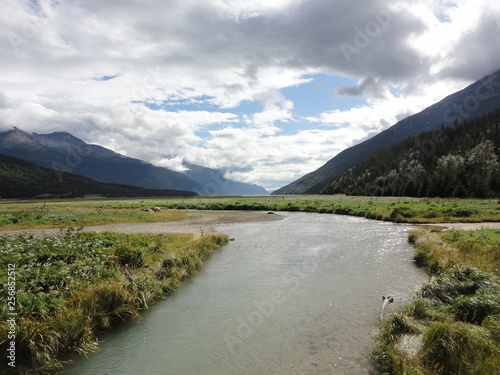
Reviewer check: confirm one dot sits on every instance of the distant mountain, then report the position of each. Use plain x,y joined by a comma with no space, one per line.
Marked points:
475,100
22,179
464,164
65,153
214,183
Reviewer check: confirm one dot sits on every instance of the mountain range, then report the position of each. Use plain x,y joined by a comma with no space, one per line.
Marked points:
64,152
479,98
22,179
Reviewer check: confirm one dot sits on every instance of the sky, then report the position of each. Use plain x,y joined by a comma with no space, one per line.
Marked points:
265,90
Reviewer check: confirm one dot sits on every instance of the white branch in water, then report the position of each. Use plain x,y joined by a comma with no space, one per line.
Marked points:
386,300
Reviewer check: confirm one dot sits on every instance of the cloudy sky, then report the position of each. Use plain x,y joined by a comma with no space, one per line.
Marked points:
267,90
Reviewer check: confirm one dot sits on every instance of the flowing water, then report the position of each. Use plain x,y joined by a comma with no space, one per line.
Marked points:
297,296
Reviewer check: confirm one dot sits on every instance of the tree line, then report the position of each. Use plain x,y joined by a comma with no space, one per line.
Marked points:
459,161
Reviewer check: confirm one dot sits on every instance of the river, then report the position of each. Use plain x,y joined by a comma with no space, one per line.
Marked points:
297,296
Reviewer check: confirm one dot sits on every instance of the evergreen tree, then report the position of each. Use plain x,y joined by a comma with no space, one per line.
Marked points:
459,161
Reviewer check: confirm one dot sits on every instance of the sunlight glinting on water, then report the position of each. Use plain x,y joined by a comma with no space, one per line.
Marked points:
297,296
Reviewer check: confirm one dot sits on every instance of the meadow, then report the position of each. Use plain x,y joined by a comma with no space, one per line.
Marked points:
30,214
79,212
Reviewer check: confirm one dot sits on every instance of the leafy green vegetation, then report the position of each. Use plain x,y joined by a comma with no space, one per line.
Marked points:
74,285
452,325
459,161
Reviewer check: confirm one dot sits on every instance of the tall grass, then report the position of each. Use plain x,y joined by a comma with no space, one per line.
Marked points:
75,285
445,250
452,324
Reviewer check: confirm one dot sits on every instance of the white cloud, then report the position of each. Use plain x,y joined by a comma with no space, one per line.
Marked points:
174,163
198,61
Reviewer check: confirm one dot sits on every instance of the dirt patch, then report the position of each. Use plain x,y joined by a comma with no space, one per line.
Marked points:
196,222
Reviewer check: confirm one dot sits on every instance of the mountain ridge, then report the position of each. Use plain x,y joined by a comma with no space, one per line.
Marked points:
479,98
464,164
64,152
22,179
213,182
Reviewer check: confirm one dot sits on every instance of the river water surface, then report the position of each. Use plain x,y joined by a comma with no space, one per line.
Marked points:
297,296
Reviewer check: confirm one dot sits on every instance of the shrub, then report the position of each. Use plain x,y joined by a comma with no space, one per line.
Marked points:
129,256
405,212
463,212
431,214
459,348
457,283
474,309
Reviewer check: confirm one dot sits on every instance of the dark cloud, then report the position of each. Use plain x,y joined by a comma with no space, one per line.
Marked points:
372,86
355,38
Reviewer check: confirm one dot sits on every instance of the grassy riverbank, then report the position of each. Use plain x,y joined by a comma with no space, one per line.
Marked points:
72,286
33,214
452,325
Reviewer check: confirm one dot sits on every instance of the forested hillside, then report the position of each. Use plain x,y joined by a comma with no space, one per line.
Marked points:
485,94
459,161
21,179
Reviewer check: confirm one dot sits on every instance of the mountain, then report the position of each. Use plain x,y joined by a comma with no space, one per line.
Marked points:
22,179
479,98
214,182
63,152
66,153
464,164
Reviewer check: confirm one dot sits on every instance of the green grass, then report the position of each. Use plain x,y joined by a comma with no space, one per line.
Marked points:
452,324
445,250
61,213
74,285
396,209
76,213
